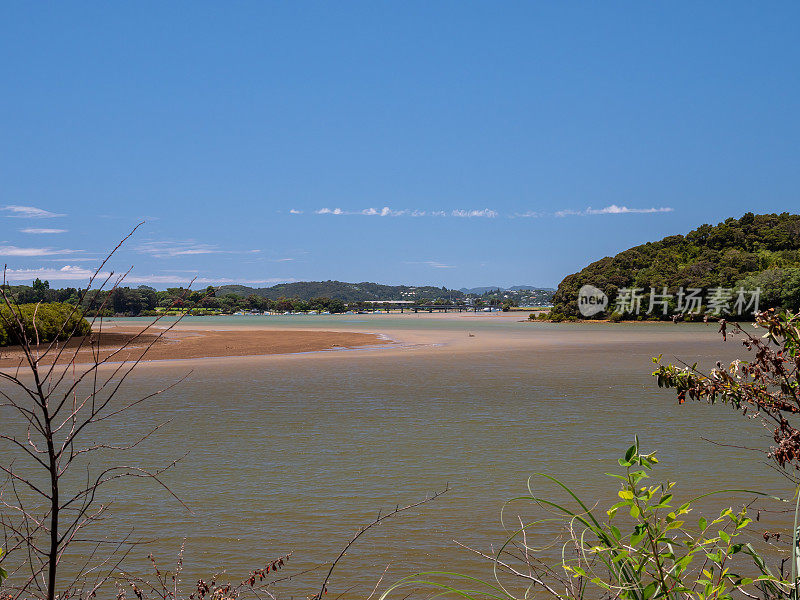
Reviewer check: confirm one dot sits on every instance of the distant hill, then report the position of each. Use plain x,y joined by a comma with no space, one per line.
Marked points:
530,288
513,288
754,251
347,292
355,292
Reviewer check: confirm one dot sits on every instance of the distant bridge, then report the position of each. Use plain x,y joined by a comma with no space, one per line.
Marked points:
408,305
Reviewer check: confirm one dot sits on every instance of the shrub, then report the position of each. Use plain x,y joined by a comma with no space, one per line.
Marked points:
53,320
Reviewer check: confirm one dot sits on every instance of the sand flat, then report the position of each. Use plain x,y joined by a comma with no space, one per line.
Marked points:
185,343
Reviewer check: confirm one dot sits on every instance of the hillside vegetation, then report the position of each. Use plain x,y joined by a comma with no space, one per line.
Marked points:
365,291
755,251
340,290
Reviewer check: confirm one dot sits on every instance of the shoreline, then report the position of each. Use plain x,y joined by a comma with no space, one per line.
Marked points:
197,343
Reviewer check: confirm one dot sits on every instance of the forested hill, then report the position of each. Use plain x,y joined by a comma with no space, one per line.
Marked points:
754,251
347,292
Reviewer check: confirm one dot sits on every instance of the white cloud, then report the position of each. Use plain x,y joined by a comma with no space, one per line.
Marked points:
42,231
73,259
619,210
184,248
29,212
475,213
17,251
294,211
76,273
613,209
405,212
431,263
528,214
388,212
65,273
166,279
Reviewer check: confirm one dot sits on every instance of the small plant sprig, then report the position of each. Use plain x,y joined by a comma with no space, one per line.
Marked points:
659,556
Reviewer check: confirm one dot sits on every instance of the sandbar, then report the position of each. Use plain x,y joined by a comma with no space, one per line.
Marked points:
121,344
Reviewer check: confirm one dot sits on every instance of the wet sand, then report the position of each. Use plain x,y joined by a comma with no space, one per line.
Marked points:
122,344
428,335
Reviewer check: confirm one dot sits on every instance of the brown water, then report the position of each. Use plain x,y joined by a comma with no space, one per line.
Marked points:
294,453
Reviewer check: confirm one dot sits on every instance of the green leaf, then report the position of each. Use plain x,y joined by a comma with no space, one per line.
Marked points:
649,590
629,453
664,501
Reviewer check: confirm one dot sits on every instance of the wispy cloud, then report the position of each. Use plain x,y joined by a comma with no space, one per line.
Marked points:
612,210
431,263
184,248
528,214
77,273
386,212
18,251
487,213
42,231
73,259
407,212
294,211
65,273
29,212
167,279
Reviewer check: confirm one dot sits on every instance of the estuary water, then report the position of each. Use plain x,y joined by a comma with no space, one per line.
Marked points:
295,453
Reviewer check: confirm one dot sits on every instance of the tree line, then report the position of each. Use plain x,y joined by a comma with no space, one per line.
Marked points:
147,301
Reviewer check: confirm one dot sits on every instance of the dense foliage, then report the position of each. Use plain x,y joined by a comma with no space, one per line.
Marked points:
340,290
753,251
48,321
360,292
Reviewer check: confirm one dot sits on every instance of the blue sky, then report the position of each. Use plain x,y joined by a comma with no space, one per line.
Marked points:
447,143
